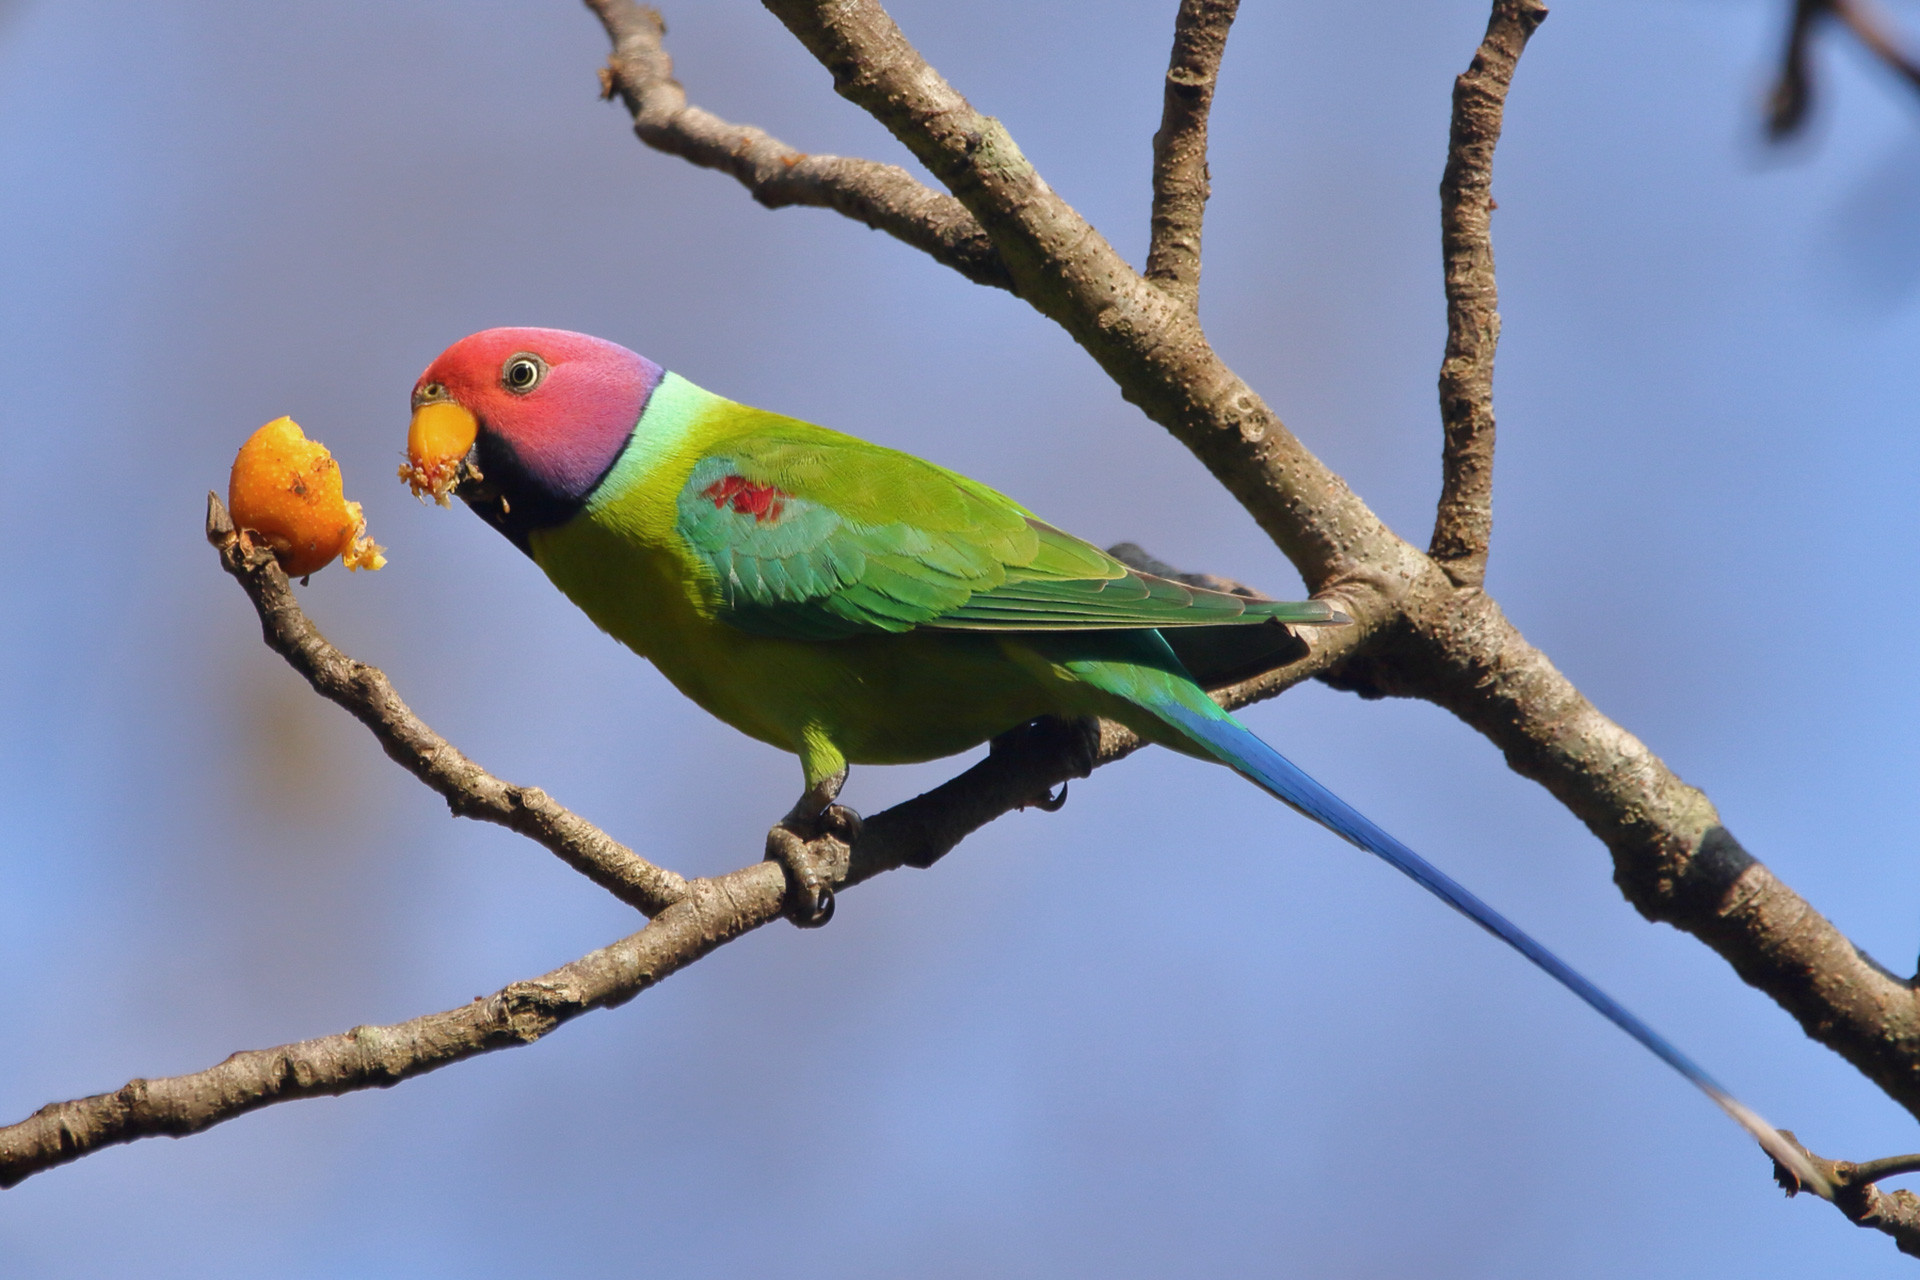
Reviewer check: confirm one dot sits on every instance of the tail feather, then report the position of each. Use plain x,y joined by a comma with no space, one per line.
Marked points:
1236,746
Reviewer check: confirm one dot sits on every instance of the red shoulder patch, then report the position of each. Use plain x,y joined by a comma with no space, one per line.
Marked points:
761,501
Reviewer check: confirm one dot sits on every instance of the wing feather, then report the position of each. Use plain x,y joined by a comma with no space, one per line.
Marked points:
810,534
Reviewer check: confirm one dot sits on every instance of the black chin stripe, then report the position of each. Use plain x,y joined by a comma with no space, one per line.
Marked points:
508,497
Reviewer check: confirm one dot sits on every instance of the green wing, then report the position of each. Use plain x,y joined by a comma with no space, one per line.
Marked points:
809,534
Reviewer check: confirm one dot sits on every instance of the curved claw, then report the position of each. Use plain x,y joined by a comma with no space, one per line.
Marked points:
1052,803
811,845
809,901
810,910
842,823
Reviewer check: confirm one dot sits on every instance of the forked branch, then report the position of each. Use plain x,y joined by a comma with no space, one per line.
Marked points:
1420,634
468,789
884,196
1893,1213
1792,95
690,917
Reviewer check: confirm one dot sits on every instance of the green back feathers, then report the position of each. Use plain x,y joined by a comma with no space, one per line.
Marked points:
809,534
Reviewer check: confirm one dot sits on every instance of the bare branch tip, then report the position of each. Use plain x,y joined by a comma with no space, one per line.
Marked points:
1463,522
1180,179
882,196
220,531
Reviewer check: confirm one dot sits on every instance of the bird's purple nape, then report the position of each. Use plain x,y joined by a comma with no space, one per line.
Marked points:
545,448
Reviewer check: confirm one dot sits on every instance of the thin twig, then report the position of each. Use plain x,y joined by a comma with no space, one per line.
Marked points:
1896,1213
702,914
1873,30
1792,94
1180,178
1884,1167
1463,524
885,197
468,789
710,913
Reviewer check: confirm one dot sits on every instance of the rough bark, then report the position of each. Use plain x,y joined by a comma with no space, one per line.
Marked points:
883,196
1425,628
469,790
1422,633
690,917
1180,179
1463,525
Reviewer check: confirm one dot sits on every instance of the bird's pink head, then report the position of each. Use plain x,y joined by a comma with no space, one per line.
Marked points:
523,424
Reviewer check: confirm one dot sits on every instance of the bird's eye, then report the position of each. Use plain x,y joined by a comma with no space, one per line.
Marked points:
522,373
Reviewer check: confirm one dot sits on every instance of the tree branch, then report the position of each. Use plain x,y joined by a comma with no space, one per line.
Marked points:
469,790
1180,178
690,918
1865,1205
1464,523
1419,634
1673,859
883,196
1022,771
1150,343
1792,94
710,913
1870,28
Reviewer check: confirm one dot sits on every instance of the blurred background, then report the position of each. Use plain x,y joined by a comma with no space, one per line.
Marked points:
1055,1054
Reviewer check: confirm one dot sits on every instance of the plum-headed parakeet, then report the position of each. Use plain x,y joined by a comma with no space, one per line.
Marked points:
854,604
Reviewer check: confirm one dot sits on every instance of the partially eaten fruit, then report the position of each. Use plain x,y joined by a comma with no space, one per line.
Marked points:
286,489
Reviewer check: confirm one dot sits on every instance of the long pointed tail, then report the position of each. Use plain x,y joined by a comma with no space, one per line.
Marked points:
1248,755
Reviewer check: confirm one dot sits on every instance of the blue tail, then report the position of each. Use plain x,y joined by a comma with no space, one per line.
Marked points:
1235,745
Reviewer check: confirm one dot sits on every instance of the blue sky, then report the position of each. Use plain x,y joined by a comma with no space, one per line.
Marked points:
1170,1030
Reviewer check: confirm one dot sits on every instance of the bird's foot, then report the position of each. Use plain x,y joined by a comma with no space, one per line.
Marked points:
1049,744
813,844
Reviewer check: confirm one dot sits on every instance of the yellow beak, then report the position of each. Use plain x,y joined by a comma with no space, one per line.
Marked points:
438,439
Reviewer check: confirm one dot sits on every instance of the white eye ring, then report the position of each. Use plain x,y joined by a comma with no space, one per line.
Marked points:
522,372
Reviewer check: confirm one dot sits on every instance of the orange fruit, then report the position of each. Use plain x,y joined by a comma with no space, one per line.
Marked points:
286,489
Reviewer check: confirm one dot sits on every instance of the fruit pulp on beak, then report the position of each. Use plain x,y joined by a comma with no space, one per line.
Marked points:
438,440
